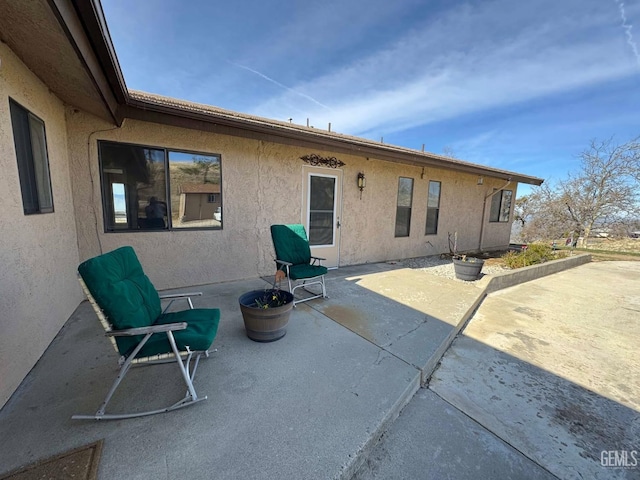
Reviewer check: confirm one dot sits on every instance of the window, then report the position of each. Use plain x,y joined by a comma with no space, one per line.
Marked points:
501,206
433,208
403,210
150,188
33,163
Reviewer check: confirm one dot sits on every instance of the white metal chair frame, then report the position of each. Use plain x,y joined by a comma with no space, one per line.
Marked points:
187,370
318,280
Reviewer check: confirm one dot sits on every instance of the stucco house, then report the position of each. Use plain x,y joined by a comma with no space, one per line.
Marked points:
82,156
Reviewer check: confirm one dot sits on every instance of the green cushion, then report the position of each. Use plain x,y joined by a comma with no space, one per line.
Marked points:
129,300
199,334
291,243
123,291
300,272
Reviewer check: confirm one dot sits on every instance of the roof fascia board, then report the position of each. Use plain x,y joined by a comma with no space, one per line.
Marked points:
152,112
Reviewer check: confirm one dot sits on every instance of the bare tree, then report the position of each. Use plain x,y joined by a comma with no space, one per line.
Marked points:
448,151
542,215
606,189
603,192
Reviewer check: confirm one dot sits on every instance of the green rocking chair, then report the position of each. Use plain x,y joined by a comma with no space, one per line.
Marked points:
293,257
130,311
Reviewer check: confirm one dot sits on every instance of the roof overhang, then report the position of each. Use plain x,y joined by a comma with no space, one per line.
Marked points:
52,37
164,110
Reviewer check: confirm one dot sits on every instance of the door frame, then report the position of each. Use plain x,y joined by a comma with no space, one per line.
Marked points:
307,173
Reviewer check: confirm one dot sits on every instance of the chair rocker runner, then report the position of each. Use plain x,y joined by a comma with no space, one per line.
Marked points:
130,311
293,257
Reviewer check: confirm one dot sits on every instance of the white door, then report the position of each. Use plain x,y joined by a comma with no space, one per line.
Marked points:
322,206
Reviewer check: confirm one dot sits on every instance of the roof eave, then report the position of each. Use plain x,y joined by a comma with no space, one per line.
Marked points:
143,109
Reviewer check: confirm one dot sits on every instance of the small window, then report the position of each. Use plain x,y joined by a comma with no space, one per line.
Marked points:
433,208
403,209
33,163
501,206
212,198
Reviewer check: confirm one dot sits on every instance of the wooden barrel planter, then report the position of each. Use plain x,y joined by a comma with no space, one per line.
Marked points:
467,269
265,324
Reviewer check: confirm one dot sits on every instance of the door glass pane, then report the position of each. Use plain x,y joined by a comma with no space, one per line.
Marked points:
321,210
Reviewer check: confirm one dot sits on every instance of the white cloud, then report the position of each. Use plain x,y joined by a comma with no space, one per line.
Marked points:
468,60
627,30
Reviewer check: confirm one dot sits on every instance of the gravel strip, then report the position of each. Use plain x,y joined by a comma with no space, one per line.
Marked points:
443,267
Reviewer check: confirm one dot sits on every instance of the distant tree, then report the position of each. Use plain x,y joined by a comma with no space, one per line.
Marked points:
606,188
202,166
448,151
603,192
542,215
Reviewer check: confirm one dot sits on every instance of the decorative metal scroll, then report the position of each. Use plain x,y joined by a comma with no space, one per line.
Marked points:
314,159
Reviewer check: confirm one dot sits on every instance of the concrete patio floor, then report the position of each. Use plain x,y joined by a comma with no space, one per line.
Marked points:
311,405
307,406
552,367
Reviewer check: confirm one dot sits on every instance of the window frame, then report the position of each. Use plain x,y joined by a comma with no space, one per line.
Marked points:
398,207
36,190
436,208
496,215
167,180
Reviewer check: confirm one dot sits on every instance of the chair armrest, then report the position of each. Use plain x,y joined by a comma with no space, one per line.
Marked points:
282,262
318,258
128,332
175,296
180,295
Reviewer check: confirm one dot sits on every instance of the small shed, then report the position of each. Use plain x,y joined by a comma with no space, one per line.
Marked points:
199,201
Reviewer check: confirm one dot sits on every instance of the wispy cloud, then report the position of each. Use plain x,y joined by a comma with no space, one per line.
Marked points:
473,58
289,89
627,30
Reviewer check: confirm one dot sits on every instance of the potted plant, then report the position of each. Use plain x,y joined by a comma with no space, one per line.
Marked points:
266,313
467,268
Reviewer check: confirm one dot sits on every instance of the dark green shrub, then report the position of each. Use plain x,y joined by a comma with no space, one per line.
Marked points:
534,254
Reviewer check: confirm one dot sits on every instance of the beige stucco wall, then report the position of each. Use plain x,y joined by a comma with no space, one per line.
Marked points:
38,253
262,185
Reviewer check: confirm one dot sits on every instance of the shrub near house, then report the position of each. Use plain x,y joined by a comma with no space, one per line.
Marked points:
532,255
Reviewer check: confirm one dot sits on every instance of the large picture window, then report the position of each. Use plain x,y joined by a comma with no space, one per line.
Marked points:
433,208
33,163
149,188
501,206
403,209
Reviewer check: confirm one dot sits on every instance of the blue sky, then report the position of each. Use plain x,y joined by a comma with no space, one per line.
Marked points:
522,86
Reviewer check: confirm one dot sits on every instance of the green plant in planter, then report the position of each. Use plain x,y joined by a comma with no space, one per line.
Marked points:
271,299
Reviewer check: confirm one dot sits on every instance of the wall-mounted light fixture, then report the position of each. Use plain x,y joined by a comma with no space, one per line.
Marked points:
362,182
480,181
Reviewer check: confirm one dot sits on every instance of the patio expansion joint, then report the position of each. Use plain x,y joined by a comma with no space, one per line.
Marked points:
503,440
382,348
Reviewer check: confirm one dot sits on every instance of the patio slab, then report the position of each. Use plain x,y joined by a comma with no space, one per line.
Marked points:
552,367
407,312
432,440
306,406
